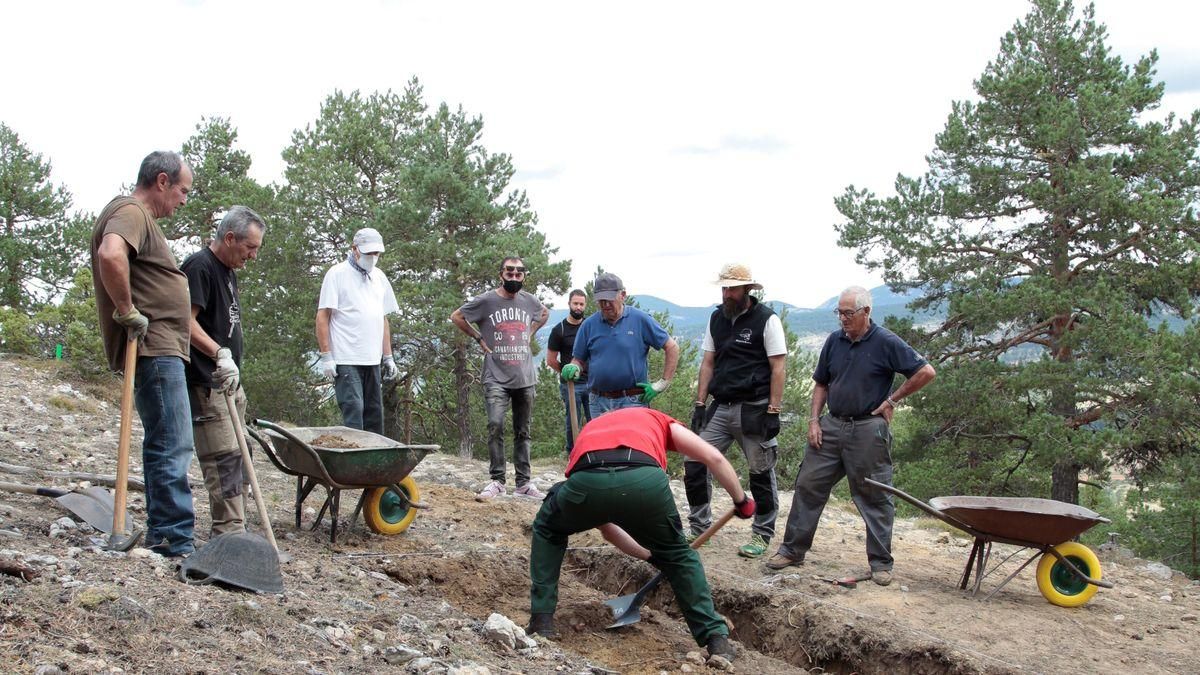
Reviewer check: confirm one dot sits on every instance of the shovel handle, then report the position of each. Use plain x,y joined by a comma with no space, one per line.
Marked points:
121,488
573,412
248,467
708,534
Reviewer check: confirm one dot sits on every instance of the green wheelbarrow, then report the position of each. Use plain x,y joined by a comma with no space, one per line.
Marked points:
375,464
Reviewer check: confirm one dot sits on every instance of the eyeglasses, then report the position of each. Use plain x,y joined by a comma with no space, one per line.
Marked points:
517,270
847,313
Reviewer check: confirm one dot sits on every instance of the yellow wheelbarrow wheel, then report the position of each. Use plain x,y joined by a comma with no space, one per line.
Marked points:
388,513
1059,584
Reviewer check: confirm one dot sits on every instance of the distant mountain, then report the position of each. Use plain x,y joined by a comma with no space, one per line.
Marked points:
812,325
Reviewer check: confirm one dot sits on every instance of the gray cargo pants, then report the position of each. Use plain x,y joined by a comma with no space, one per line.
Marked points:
856,449
721,431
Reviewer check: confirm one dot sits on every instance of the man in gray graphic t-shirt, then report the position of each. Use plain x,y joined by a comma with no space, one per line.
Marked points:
506,317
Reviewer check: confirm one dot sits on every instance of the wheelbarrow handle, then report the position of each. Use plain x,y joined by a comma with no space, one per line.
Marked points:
949,520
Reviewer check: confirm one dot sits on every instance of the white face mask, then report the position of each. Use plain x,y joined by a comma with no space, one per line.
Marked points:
367,262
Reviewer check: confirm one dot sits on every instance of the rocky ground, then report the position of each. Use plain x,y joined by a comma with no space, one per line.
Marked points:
442,596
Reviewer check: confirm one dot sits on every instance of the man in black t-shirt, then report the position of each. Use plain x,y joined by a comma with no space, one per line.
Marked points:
216,356
558,354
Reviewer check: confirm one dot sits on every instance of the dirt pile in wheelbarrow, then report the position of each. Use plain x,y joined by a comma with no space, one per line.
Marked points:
418,601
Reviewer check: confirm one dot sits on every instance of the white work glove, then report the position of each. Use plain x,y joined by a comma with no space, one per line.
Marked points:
328,365
390,371
226,374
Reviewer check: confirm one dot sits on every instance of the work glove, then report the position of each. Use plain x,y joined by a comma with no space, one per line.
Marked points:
390,371
226,374
328,365
745,508
570,373
770,426
698,418
134,322
649,391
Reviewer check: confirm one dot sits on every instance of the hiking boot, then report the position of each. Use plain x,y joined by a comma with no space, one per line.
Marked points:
756,547
881,577
718,645
542,624
493,489
529,490
780,561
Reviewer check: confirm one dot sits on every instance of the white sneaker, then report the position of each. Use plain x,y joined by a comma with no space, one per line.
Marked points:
529,490
493,489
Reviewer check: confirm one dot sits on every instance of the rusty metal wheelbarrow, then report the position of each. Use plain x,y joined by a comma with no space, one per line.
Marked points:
1068,574
379,466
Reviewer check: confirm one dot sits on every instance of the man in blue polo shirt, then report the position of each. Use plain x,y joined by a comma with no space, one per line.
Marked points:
854,376
613,343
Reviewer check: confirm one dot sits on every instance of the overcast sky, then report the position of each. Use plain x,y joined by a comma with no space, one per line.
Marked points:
658,139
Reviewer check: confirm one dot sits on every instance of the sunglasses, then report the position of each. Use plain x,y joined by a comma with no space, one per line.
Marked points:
518,270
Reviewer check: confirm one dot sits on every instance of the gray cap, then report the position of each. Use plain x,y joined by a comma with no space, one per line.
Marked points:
607,286
368,240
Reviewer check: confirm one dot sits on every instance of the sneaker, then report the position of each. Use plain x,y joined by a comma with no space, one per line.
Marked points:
881,577
756,547
692,536
718,645
780,561
542,624
493,489
529,490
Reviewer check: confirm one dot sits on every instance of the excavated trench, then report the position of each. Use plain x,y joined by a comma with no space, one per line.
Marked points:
776,627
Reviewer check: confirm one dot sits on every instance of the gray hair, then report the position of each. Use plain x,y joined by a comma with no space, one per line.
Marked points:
238,221
161,161
862,297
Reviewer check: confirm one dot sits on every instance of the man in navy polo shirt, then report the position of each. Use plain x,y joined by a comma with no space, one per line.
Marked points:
613,343
854,376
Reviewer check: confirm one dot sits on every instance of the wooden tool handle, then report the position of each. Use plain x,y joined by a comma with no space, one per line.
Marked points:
122,483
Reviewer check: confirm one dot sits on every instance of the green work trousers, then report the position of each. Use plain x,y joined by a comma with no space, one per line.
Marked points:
639,501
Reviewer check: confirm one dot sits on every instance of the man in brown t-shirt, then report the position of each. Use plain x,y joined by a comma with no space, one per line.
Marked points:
141,294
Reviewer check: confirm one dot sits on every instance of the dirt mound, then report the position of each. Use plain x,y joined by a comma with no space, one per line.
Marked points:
417,601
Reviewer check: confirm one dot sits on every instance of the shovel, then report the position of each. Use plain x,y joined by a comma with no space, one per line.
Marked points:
248,467
93,505
117,540
627,608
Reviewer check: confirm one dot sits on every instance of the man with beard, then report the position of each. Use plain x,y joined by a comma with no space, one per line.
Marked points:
507,318
744,366
612,345
353,332
854,375
558,353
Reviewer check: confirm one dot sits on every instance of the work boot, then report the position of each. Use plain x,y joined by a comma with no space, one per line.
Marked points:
542,624
780,561
881,577
756,547
718,645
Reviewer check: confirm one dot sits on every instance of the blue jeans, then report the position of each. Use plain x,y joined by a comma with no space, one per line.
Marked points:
583,410
603,404
359,391
496,399
160,393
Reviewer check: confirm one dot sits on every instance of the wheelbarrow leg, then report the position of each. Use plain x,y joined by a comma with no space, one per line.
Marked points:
362,498
966,577
299,499
329,493
333,516
981,565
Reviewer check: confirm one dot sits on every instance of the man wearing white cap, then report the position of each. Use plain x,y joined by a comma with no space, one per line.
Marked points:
744,367
353,333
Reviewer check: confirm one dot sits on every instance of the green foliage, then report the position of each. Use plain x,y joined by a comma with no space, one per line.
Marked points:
1053,221
1164,515
41,243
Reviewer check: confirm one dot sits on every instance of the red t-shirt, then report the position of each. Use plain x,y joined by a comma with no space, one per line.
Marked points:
642,429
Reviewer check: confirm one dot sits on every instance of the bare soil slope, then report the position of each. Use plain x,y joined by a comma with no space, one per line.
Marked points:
418,601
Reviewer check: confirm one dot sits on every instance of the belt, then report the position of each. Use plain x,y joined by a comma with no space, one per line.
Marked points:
620,393
852,418
619,457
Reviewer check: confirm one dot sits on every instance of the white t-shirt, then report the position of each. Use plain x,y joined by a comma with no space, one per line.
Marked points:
774,341
359,305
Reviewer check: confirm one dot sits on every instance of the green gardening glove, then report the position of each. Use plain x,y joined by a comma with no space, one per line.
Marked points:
650,391
570,372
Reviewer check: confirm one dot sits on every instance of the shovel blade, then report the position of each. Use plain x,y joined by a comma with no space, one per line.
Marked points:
94,506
